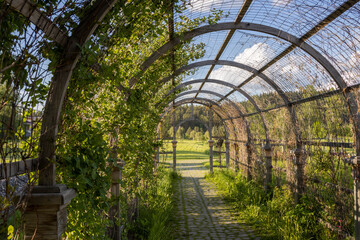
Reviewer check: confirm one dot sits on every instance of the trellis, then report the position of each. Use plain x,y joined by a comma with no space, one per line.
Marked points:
258,151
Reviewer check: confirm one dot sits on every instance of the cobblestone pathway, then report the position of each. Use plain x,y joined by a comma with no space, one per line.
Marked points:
201,213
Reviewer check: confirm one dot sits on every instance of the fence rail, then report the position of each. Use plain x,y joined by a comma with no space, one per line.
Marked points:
259,142
17,168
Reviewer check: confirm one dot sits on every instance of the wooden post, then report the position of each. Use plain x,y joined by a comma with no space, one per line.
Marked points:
211,144
174,142
45,215
115,210
268,164
227,147
249,153
236,157
356,175
157,154
353,104
299,162
220,156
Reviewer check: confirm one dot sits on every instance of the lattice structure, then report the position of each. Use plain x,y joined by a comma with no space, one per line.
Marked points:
283,76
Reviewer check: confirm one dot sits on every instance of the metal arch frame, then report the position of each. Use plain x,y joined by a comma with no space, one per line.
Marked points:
227,84
186,101
215,111
341,9
232,64
241,115
296,42
263,76
216,104
215,94
218,95
249,27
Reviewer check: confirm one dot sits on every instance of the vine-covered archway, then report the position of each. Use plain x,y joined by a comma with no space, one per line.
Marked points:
84,86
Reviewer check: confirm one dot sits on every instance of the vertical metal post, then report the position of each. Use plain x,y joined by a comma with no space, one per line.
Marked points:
219,155
236,149
248,162
227,147
211,144
299,162
268,164
174,142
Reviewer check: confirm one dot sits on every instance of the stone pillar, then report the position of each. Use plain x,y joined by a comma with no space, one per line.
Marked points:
115,210
45,215
174,142
248,162
227,147
211,144
268,165
299,162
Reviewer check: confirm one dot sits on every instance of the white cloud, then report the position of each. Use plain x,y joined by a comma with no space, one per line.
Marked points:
281,3
253,56
205,6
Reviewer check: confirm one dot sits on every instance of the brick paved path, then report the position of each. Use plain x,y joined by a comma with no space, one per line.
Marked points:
201,213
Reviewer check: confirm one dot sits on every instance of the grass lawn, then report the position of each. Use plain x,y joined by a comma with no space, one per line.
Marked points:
189,149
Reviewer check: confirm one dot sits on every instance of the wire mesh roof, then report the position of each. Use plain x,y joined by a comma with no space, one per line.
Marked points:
260,67
277,71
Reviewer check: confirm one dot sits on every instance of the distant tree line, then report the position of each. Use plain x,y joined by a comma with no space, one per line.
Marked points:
191,129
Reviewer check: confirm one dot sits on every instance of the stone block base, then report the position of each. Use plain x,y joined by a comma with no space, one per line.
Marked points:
45,216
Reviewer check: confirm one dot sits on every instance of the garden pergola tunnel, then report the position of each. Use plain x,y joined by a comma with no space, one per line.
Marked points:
282,76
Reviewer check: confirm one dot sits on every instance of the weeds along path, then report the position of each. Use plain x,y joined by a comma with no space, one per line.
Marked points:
200,211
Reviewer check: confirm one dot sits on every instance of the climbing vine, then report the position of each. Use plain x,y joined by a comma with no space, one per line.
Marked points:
105,119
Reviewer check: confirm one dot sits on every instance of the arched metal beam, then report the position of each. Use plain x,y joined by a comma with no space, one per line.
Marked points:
241,114
217,114
227,84
272,83
189,100
218,95
212,93
216,81
201,103
242,26
232,64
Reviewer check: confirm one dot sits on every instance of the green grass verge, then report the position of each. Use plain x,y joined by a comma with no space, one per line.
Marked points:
273,215
156,208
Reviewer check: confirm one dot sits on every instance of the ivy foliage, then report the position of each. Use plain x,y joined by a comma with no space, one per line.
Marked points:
105,119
